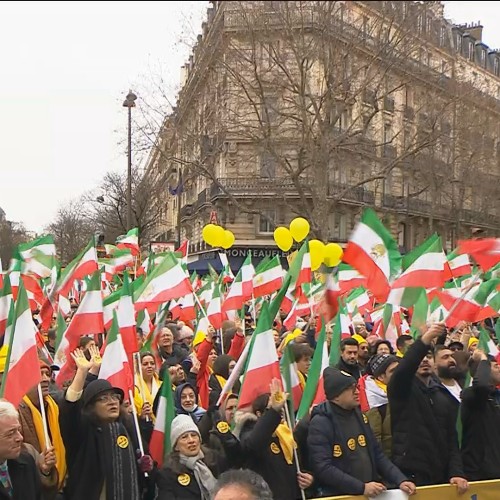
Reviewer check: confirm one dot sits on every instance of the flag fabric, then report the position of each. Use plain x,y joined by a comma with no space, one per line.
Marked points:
22,370
374,253
349,278
39,256
486,252
424,267
5,300
458,265
83,265
314,392
110,304
126,320
290,378
214,309
262,363
300,267
242,287
115,366
268,278
227,275
359,300
331,298
183,249
166,282
160,445
130,241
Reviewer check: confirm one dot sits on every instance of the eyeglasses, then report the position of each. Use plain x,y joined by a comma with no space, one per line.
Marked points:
108,398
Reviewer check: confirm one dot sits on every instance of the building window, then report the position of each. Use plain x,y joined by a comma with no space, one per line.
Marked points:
419,23
266,226
442,35
496,66
269,110
387,133
471,51
483,58
428,22
337,226
459,42
267,165
405,9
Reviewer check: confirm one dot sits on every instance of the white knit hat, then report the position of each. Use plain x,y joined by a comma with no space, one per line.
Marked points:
180,425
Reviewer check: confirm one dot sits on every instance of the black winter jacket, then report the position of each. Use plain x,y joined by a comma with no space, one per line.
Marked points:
481,427
354,370
424,436
24,477
262,453
329,454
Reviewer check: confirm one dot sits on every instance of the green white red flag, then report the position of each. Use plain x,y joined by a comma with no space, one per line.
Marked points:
130,241
126,319
374,253
242,287
214,309
486,252
290,378
268,278
22,370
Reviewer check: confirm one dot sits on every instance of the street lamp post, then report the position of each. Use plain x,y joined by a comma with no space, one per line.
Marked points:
129,103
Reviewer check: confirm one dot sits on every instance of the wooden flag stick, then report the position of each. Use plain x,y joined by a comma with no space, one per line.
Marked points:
136,424
44,418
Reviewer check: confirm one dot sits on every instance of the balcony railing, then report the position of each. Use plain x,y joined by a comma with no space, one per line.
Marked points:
251,185
187,210
351,193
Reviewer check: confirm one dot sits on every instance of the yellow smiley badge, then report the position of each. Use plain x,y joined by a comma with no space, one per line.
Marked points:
365,419
351,444
337,451
184,479
122,441
275,448
223,427
361,440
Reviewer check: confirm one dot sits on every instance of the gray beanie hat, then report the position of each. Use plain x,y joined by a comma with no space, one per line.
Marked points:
180,425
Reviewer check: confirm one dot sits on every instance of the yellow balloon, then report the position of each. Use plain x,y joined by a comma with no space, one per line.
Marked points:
228,239
317,251
283,238
219,236
299,228
333,254
208,234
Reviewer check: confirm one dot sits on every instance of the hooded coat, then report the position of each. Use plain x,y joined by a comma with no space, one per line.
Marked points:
197,412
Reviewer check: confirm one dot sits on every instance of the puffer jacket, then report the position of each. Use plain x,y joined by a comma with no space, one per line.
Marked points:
329,454
423,418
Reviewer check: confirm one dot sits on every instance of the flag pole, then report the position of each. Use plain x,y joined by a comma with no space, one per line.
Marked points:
295,455
44,418
457,302
199,305
136,424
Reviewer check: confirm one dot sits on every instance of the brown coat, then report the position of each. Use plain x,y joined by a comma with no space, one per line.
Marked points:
380,423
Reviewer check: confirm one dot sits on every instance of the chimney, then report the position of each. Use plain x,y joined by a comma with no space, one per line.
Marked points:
476,31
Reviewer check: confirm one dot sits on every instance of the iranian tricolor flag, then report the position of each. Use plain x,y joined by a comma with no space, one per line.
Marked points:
83,265
262,364
126,319
39,256
214,309
486,252
110,304
373,252
458,265
268,278
130,241
290,378
120,260
424,266
241,288
22,370
488,296
331,298
314,392
486,343
359,300
5,301
115,367
300,307
188,311
160,445
349,278
226,274
88,318
167,281
340,331
144,323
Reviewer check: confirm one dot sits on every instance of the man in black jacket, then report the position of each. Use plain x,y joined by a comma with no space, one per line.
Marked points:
346,458
424,437
349,358
19,477
481,420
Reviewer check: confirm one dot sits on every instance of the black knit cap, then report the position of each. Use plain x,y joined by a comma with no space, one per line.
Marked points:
97,387
335,382
378,364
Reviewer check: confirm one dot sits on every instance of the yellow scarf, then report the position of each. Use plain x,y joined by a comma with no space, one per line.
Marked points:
55,433
144,395
381,385
399,354
302,379
222,381
287,443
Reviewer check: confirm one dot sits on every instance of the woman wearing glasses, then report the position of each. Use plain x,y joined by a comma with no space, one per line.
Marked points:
101,445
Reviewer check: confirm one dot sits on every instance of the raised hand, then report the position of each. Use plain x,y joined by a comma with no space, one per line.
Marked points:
80,360
95,359
47,461
277,398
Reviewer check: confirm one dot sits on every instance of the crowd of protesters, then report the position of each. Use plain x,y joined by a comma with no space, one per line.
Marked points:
422,412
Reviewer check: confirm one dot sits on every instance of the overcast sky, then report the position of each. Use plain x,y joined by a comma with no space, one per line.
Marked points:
66,67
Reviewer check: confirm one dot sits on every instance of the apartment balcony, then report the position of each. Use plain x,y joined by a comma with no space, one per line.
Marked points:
187,210
358,194
252,186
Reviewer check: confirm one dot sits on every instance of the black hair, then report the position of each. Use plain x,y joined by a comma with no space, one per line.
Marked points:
300,351
402,339
260,403
346,342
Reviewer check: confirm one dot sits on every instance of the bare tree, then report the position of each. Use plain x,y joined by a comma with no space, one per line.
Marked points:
71,230
106,207
11,235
